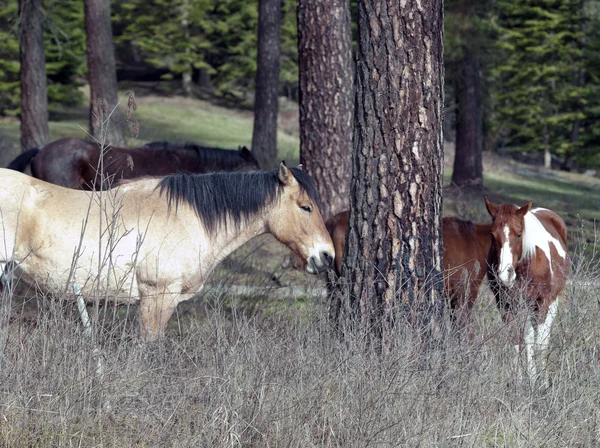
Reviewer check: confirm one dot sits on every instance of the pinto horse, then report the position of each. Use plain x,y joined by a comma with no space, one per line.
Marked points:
152,241
74,163
466,247
528,262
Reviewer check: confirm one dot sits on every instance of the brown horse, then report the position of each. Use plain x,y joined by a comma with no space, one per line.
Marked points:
74,163
466,247
152,241
528,261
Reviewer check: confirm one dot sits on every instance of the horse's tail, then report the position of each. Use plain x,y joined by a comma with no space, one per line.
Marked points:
23,159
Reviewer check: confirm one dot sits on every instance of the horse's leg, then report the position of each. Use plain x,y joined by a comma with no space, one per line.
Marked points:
543,340
154,313
530,342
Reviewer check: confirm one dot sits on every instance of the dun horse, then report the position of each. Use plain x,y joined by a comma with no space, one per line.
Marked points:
74,163
153,241
466,247
528,262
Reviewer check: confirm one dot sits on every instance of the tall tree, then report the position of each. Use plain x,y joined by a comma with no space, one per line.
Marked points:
34,100
264,135
464,42
106,119
326,98
392,261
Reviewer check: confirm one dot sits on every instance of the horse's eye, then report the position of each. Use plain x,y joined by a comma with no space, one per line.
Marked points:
519,236
306,208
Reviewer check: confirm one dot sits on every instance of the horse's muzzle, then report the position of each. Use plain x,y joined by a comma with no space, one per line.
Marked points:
316,265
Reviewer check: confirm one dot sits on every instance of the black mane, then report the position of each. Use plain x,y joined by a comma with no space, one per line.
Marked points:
207,155
217,197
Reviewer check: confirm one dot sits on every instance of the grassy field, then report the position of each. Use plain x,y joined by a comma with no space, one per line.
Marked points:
163,118
267,372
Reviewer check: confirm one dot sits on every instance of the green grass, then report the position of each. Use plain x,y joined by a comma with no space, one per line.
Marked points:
161,118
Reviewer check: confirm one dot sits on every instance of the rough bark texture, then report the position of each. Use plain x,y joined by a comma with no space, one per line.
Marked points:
34,97
468,166
326,99
392,263
264,135
102,75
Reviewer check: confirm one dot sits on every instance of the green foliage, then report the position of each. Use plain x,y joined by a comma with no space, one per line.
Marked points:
9,57
64,46
169,33
542,92
65,49
233,44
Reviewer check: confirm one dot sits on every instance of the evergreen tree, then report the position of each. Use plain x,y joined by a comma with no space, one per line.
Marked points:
64,47
539,97
169,33
9,57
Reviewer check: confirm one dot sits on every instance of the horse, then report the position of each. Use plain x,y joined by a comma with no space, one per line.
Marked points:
152,241
528,262
74,163
466,247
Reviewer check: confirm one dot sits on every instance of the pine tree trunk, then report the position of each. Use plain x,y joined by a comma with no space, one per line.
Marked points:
266,107
468,166
34,97
102,75
326,99
392,261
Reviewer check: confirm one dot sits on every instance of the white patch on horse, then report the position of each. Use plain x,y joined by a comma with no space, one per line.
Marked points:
506,271
536,235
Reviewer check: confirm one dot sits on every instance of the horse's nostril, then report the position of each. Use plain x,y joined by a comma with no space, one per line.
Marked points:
327,258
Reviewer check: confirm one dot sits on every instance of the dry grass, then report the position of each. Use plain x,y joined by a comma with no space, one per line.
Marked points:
225,378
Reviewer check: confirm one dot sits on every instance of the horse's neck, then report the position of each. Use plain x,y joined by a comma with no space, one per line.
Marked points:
482,235
225,241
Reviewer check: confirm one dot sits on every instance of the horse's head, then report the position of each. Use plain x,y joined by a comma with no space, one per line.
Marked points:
296,221
251,164
507,244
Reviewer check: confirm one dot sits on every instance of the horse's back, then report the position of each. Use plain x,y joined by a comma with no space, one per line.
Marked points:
465,254
553,223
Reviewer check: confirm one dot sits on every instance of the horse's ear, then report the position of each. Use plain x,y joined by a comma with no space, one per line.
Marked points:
525,209
244,152
285,175
491,208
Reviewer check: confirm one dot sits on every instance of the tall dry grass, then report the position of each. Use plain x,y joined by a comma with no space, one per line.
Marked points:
224,378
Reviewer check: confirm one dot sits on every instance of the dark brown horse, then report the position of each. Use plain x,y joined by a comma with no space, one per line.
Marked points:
528,263
75,163
466,247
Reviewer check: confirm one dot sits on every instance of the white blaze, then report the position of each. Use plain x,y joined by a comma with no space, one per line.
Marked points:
506,273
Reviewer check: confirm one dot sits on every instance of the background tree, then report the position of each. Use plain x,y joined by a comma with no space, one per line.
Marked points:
326,98
34,100
465,40
264,135
170,34
539,97
102,74
394,242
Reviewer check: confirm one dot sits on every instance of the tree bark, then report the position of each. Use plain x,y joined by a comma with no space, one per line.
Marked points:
106,120
326,99
34,96
468,166
266,107
392,263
